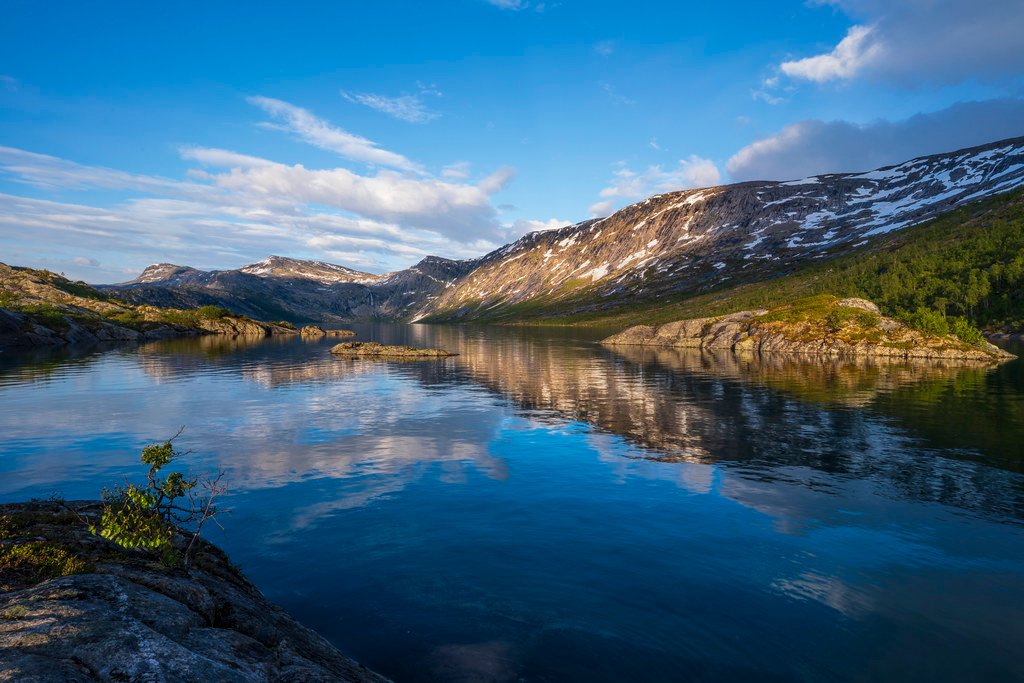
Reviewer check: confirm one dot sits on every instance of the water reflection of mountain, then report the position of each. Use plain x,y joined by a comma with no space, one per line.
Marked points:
776,419
924,432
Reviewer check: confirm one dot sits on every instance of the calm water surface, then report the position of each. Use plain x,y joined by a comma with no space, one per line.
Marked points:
540,508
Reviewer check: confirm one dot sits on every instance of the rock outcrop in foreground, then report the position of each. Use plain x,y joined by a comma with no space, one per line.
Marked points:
77,607
821,326
375,350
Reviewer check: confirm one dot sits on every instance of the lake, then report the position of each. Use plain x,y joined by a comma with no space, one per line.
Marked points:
542,508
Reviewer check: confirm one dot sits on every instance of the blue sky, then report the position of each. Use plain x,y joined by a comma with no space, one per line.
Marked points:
372,134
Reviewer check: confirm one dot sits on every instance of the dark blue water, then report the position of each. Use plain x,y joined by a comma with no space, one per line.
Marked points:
541,508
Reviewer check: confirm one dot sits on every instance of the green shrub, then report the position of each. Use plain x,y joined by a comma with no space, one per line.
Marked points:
126,318
145,516
927,321
835,319
212,312
180,318
47,316
35,561
965,331
285,324
79,289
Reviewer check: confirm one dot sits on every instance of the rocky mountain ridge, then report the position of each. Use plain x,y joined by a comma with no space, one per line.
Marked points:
685,242
280,288
694,240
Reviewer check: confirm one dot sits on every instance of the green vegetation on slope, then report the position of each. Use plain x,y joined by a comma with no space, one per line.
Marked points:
51,301
963,269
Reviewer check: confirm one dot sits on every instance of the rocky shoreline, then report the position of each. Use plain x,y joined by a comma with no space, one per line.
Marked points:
77,607
43,309
20,330
830,327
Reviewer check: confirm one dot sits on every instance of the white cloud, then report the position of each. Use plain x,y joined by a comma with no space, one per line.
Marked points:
858,49
134,233
811,147
221,158
315,131
921,41
233,208
628,185
606,48
409,108
9,83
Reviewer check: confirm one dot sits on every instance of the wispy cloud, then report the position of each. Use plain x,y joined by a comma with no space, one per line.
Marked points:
606,48
9,83
614,94
769,91
457,171
514,5
316,131
409,108
628,185
518,5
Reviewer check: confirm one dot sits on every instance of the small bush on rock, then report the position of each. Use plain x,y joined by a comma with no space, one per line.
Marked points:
212,312
146,515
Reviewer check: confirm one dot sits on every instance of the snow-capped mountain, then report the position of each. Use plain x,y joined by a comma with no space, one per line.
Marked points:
694,239
279,288
687,241
283,267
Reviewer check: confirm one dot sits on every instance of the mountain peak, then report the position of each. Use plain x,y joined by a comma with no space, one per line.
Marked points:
321,271
160,272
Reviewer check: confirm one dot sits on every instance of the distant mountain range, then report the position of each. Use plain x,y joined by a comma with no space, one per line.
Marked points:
674,244
280,288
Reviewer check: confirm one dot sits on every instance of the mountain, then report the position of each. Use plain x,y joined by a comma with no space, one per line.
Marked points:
280,288
670,246
696,240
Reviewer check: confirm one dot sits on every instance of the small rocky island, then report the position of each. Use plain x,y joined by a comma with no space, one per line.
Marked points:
78,607
381,351
817,326
315,332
